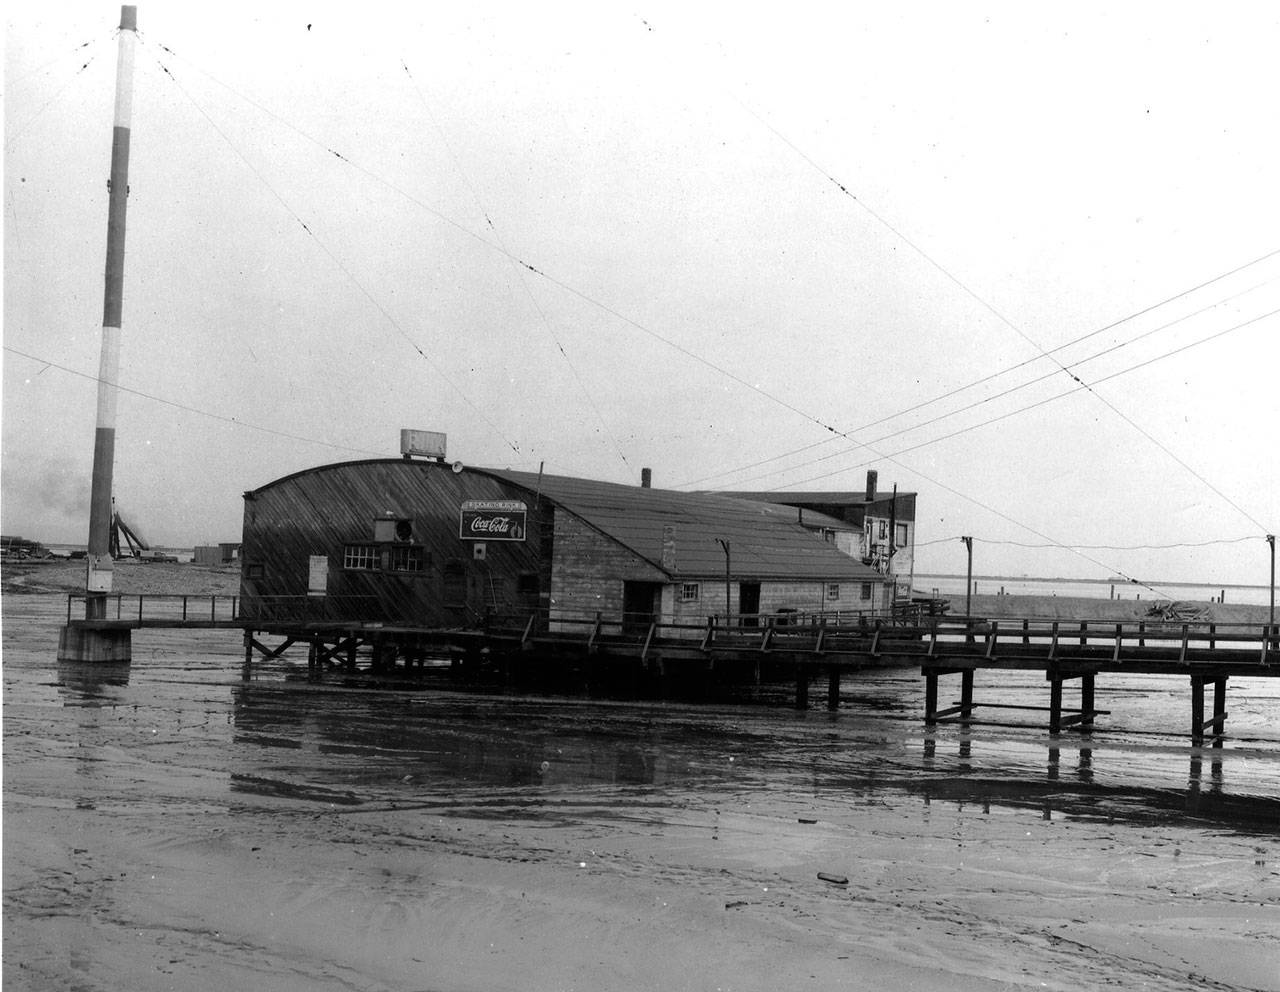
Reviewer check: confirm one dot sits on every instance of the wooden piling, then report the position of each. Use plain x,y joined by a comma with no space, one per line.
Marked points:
1055,703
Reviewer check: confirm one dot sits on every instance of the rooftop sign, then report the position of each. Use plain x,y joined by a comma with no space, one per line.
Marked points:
427,444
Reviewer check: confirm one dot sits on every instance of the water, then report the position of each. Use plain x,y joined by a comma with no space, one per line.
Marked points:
167,823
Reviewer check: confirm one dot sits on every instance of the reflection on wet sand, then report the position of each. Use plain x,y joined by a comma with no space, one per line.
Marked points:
373,746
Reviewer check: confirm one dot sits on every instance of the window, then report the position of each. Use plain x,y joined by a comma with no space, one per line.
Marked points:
900,539
689,592
360,556
833,590
253,570
407,558
866,590
527,584
884,529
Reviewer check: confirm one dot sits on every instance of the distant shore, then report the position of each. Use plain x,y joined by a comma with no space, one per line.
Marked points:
1089,608
131,578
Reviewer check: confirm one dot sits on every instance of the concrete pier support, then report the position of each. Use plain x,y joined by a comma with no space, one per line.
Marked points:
87,644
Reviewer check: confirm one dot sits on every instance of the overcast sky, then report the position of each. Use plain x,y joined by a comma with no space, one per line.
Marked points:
749,251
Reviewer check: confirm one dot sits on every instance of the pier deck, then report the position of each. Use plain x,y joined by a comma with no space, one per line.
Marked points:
795,646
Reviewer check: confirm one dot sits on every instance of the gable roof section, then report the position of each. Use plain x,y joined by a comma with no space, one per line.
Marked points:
766,541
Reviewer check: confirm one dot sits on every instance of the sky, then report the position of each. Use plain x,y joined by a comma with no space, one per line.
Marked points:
1022,260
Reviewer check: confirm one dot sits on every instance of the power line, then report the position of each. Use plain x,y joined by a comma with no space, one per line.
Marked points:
463,229
1123,547
1013,368
338,262
1058,396
22,128
524,283
192,409
1001,395
991,309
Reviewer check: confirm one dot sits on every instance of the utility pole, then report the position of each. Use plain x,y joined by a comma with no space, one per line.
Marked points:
98,579
1271,540
88,644
968,578
727,602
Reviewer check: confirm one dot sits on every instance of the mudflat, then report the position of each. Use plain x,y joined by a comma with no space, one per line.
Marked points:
168,826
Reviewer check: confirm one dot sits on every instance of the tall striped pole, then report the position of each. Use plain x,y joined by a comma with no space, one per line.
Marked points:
98,579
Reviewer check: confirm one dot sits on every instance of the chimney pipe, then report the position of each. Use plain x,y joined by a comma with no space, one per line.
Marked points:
872,475
646,478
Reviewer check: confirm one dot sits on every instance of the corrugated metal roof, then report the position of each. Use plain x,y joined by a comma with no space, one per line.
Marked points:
766,540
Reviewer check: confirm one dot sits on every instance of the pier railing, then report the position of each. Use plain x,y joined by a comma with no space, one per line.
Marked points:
927,639
159,608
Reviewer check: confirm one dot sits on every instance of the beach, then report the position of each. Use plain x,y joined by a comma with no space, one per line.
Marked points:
168,826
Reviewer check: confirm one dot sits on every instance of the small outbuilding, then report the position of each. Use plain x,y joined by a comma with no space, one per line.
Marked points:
428,544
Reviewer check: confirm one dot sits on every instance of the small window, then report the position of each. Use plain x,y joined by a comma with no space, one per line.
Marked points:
527,584
866,590
407,558
884,529
360,556
253,570
900,540
833,590
689,592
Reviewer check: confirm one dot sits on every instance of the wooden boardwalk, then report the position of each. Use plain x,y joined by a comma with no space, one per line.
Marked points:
795,646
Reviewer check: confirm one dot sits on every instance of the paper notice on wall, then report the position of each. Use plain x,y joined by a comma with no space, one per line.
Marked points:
318,577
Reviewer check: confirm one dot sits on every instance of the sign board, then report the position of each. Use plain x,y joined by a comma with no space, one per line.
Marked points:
317,575
493,520
98,578
427,444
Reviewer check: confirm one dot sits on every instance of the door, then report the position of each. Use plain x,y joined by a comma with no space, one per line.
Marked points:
749,604
640,604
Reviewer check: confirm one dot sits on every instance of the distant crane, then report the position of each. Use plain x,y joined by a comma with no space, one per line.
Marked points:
133,540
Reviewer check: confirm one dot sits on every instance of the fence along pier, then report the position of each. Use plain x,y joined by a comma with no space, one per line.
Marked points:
804,647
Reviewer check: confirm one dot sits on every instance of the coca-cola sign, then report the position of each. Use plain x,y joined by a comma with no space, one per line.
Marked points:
493,520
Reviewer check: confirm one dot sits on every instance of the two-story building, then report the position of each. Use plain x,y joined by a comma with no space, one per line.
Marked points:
883,524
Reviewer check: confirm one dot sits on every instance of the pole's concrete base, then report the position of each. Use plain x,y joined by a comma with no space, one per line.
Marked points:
82,644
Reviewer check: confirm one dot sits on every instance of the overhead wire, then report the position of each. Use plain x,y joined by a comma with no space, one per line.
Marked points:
16,133
187,408
1007,392
1057,396
377,304
996,313
1126,547
547,276
845,434
519,271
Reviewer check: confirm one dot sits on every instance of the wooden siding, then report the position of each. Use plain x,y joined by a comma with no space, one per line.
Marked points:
320,512
588,570
805,597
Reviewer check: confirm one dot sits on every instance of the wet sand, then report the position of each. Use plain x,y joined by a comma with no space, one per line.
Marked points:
167,826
